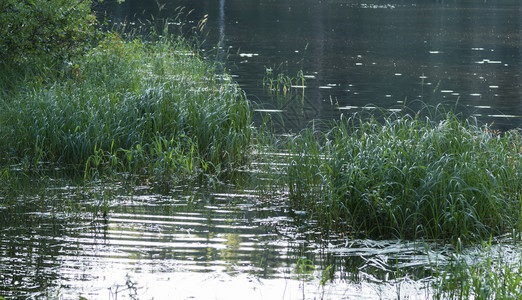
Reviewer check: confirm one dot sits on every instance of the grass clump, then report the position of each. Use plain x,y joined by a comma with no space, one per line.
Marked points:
150,108
408,177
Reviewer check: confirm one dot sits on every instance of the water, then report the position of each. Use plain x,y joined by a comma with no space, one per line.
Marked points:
111,240
388,54
117,240
121,241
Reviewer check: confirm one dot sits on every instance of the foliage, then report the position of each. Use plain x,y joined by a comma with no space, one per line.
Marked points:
408,177
155,109
276,82
44,29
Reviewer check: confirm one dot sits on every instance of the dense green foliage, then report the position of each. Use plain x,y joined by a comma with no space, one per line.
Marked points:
408,178
141,108
43,29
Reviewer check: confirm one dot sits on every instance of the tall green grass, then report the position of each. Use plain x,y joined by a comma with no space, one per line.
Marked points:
149,108
493,273
408,177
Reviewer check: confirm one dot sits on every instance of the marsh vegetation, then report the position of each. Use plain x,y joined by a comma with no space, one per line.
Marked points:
428,175
142,108
133,140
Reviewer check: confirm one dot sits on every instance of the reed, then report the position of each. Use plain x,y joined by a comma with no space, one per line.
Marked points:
493,273
431,176
277,83
150,108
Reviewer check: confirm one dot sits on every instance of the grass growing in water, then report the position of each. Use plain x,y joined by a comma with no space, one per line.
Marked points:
408,177
276,82
156,109
494,273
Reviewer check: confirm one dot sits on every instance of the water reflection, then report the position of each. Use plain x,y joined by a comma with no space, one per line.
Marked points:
44,250
114,239
61,241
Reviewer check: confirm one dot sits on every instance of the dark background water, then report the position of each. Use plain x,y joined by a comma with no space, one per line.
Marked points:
388,54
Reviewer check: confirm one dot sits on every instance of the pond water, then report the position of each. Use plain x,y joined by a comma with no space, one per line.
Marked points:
120,241
356,53
117,241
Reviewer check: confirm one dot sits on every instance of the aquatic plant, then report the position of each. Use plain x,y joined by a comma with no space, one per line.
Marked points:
150,108
277,82
491,274
431,176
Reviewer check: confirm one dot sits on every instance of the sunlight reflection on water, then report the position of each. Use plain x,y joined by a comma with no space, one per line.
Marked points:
210,244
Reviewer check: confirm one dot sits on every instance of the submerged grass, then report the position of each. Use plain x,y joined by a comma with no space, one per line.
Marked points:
408,177
150,108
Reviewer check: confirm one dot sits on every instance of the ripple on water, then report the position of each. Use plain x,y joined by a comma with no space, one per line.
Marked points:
196,243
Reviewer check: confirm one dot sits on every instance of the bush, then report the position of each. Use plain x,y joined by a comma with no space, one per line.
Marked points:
44,28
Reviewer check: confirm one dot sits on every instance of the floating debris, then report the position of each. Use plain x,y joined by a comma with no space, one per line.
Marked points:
487,61
249,55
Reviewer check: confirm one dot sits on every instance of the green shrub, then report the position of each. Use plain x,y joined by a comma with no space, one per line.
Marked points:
46,29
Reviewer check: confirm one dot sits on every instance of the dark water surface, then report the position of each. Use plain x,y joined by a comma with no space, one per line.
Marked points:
354,54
